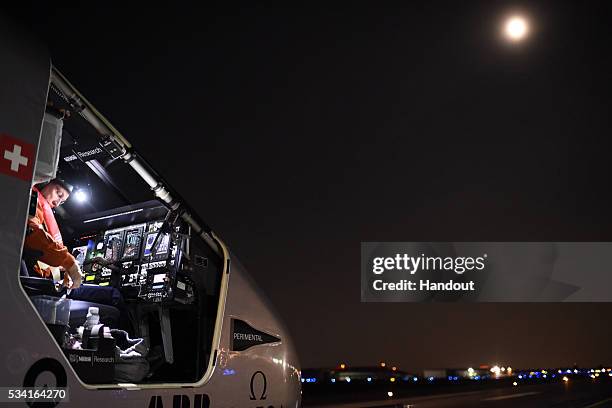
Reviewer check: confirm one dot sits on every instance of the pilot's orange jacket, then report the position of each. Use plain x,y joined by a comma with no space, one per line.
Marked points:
38,238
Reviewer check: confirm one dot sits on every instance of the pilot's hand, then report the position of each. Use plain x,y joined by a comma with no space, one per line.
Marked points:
74,273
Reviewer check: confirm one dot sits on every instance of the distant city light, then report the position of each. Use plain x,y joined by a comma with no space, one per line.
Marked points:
342,366
390,394
382,364
463,377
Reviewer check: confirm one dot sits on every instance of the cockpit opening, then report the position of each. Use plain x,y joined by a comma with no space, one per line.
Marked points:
151,271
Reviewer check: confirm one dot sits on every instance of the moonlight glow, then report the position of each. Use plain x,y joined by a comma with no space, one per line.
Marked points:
516,28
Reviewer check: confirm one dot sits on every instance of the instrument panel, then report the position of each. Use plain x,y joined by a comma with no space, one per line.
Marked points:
142,260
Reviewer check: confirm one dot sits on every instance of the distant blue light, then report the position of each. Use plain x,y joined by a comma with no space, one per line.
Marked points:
520,377
415,379
477,377
554,375
450,378
231,371
310,380
369,379
333,380
455,378
430,378
568,371
302,379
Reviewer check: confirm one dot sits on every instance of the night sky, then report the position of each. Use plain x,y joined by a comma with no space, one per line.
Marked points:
297,133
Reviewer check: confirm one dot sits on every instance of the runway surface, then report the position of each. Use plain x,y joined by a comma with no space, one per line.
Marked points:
575,394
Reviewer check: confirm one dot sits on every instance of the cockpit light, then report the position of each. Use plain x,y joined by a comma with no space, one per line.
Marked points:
81,196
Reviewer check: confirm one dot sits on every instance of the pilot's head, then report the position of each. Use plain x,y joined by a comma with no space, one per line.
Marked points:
56,192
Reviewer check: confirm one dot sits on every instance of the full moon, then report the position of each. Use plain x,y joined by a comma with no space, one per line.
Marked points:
516,28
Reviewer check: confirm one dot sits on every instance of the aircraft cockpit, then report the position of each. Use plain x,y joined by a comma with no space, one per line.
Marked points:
126,232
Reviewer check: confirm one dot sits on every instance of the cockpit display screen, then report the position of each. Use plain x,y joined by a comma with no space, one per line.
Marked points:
113,244
162,244
133,238
79,254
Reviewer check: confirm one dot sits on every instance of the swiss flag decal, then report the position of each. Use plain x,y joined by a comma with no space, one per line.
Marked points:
16,157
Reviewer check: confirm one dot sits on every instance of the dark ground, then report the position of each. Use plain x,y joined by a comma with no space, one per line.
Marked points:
578,392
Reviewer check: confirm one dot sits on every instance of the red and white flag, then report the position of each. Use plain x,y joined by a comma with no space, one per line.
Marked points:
16,157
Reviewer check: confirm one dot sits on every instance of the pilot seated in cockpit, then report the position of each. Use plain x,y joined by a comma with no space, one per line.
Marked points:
43,235
48,256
